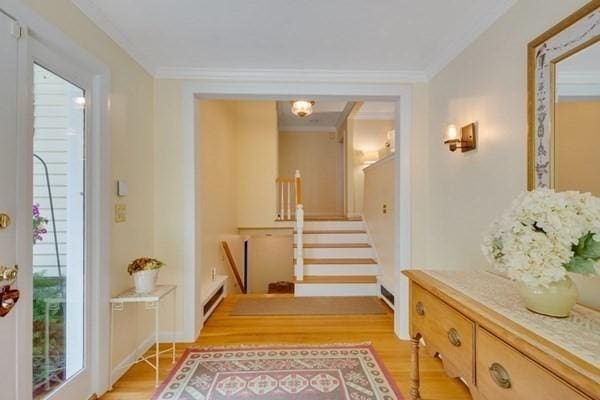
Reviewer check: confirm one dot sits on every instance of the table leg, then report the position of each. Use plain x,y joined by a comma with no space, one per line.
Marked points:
156,328
174,323
414,393
110,346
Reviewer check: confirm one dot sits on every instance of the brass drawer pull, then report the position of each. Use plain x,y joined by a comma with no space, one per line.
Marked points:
420,308
454,337
500,376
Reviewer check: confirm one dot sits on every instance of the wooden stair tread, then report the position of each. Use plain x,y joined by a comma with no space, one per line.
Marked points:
332,279
336,246
331,232
341,261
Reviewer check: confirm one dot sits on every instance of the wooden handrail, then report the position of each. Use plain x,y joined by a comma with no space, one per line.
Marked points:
233,266
298,181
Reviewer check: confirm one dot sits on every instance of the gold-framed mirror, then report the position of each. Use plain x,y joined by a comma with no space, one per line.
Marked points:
564,104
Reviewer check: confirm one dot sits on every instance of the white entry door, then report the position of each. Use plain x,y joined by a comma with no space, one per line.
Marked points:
49,176
9,150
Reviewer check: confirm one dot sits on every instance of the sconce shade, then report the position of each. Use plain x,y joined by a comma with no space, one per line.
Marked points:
302,108
451,134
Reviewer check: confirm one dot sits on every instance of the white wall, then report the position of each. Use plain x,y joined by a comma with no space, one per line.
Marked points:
459,194
379,190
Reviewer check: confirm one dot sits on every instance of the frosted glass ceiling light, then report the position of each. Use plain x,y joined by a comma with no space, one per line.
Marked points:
302,108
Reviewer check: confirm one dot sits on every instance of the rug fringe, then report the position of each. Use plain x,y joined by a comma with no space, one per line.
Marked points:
281,345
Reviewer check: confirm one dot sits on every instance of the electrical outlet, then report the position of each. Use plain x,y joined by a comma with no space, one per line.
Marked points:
120,213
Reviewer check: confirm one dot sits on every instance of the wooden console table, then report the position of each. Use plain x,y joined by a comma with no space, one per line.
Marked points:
477,324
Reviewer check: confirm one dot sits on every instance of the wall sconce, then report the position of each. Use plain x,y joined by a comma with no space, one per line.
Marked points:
465,141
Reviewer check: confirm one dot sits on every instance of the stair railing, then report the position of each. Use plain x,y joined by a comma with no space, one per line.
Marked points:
284,213
299,272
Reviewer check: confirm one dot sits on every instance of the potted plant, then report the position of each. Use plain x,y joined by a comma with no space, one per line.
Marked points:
145,273
543,236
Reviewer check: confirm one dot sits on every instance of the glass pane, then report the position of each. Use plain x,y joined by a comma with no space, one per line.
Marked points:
58,231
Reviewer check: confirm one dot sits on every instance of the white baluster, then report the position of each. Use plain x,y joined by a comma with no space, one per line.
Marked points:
299,242
281,209
289,201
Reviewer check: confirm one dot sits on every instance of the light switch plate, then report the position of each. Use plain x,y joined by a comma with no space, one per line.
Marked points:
120,213
122,188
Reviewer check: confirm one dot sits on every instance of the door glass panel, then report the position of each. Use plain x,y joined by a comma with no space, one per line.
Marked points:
58,231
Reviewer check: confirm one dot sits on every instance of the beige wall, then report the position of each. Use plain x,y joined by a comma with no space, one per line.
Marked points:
577,146
256,151
459,194
218,190
318,157
379,191
271,259
132,149
367,136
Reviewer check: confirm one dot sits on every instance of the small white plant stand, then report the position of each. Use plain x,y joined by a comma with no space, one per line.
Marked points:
152,301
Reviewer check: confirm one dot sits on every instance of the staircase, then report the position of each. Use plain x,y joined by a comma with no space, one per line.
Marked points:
338,259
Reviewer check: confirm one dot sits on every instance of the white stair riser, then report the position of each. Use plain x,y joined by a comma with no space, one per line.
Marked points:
332,252
341,269
334,238
334,225
335,289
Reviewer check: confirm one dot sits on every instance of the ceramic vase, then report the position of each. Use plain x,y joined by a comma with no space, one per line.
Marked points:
556,300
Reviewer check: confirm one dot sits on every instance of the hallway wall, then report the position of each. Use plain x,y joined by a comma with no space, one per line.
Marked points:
461,193
317,155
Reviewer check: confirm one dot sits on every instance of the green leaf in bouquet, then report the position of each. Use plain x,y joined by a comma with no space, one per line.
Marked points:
588,247
580,265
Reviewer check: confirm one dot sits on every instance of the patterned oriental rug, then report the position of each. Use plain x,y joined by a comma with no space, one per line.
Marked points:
345,372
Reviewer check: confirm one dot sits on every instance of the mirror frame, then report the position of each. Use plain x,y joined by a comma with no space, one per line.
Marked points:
576,32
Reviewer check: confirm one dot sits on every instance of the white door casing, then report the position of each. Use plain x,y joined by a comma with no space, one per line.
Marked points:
9,57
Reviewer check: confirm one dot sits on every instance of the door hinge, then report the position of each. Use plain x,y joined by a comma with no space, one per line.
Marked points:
16,30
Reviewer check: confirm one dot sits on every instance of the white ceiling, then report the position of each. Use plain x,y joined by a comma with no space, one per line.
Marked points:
402,39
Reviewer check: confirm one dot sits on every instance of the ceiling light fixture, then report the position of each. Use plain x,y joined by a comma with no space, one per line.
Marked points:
302,108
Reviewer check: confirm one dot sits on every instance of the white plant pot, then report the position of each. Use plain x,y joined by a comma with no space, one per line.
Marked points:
145,281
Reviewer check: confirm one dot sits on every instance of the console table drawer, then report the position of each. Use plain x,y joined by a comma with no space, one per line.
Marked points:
504,373
445,331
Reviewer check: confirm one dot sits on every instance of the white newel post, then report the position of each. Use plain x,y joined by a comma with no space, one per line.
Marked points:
299,242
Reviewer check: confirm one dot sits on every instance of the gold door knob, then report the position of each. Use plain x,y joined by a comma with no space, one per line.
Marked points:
454,337
8,273
500,376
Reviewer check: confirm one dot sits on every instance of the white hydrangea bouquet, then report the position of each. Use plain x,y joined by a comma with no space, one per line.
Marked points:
544,235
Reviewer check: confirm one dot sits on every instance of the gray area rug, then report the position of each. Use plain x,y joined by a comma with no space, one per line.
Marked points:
308,306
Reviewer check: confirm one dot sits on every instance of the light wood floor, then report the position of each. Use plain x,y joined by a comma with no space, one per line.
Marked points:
222,329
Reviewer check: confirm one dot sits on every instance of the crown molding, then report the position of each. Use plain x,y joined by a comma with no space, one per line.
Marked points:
290,75
89,9
308,128
375,115
472,31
